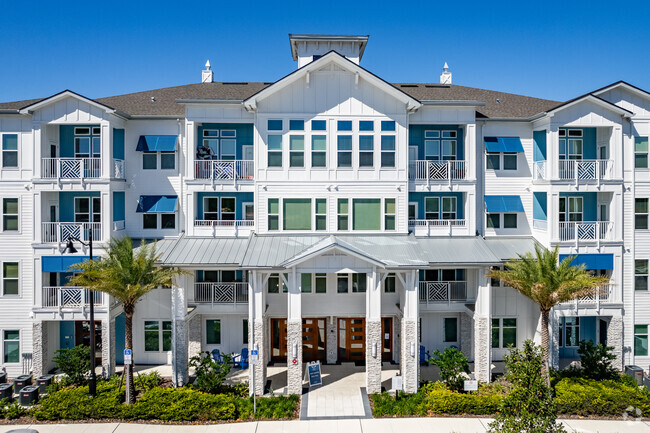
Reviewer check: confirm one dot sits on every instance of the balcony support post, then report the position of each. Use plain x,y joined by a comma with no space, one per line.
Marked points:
483,328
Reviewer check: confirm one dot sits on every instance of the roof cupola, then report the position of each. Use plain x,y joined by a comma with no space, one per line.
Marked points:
307,48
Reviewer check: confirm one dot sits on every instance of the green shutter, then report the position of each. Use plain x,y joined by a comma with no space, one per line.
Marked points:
366,214
296,213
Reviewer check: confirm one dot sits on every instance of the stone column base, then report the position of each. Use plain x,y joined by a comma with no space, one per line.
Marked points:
194,336
615,339
179,357
373,363
466,342
257,341
410,364
331,339
482,345
294,365
39,349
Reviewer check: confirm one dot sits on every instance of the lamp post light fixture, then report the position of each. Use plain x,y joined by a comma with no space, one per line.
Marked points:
70,249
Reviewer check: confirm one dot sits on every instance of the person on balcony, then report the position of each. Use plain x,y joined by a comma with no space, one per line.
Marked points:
204,152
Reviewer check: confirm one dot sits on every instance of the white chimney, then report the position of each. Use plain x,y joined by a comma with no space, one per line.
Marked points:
445,77
206,74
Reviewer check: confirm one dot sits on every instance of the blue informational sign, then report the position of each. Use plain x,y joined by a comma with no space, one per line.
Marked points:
127,352
313,371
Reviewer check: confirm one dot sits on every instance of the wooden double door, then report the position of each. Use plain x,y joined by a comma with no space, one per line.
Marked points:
352,339
313,340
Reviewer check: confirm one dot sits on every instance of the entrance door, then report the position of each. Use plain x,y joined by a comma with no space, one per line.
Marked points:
82,337
313,340
352,339
387,340
279,340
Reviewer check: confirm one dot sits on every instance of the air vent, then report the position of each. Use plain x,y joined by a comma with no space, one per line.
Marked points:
235,84
409,85
442,86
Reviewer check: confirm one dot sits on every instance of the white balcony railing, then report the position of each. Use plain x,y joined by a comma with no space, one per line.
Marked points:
539,170
441,227
69,297
432,292
221,293
437,170
71,168
118,169
223,171
586,231
60,232
597,295
224,223
585,170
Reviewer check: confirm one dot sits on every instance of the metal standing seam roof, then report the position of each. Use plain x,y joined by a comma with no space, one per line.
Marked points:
457,251
509,248
201,251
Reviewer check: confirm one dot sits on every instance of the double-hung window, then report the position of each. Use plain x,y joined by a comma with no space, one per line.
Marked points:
274,150
388,151
157,334
640,340
318,151
11,346
343,214
274,214
640,152
641,213
296,144
344,151
9,214
641,274
366,150
10,150
389,214
321,214
9,278
320,283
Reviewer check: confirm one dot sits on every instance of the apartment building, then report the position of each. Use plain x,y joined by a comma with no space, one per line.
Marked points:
329,215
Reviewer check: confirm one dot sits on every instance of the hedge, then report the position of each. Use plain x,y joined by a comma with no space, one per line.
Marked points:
578,396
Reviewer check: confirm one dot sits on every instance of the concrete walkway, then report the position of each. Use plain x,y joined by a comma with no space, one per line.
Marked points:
387,425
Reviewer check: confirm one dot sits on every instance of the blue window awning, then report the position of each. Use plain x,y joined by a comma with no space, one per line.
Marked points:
157,204
592,261
503,203
503,144
61,263
157,143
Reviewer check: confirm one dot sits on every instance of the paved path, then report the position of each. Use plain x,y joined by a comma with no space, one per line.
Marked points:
392,425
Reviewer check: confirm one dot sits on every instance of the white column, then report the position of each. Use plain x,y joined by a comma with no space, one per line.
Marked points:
294,333
106,199
482,328
552,152
373,333
190,135
257,331
106,149
37,147
410,349
470,149
179,334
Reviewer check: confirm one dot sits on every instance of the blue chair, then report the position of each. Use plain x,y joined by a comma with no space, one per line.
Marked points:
216,356
241,360
424,355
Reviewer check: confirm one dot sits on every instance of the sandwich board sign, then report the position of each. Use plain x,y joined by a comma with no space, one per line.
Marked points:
314,373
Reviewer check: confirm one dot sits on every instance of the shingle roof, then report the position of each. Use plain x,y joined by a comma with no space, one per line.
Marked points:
16,105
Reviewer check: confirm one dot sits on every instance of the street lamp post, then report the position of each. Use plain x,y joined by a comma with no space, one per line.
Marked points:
70,249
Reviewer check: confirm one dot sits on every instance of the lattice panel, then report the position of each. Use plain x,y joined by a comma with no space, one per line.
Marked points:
223,294
437,291
71,298
586,231
587,170
70,230
70,168
223,170
438,170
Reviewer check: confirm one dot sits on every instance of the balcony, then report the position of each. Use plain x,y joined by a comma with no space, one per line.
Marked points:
596,295
435,292
221,293
576,171
223,227
78,168
76,298
224,171
436,171
586,232
445,227
60,232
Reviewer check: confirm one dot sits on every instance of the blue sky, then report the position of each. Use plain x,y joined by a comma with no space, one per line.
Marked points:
554,50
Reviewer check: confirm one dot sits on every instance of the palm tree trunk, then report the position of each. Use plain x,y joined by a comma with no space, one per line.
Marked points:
545,347
128,344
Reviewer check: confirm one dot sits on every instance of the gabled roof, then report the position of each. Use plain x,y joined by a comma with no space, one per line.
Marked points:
625,85
332,57
31,107
593,98
325,245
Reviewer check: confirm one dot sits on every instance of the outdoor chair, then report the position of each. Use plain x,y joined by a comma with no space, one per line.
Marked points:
216,356
241,360
424,355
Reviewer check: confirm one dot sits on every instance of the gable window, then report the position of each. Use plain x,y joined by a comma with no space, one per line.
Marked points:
389,214
388,151
641,213
11,346
9,214
274,154
296,151
9,278
274,214
274,125
318,150
342,214
366,150
366,125
296,125
388,125
319,125
10,150
344,151
450,326
641,275
344,125
640,340
321,214
640,152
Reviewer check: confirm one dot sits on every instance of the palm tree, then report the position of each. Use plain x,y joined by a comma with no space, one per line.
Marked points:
126,275
548,282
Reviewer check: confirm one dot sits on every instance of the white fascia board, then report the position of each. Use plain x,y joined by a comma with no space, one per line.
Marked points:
626,86
596,100
69,94
334,246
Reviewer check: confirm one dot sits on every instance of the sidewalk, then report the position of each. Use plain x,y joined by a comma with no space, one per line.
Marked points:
386,425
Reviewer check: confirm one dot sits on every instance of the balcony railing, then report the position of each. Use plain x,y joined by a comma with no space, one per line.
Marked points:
437,170
224,223
585,170
586,231
432,292
444,226
118,169
69,297
71,168
221,293
539,170
60,232
595,295
224,171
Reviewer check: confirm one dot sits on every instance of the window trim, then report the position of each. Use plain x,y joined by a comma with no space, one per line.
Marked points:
637,140
641,214
3,279
17,215
2,152
641,275
501,327
640,335
205,328
444,330
4,341
161,331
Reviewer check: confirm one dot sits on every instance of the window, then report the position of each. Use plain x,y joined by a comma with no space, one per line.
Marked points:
574,211
571,331
305,283
342,214
450,326
149,221
296,214
641,275
509,161
509,220
366,214
11,346
366,150
274,214
432,208
156,335
344,125
570,146
245,331
495,282
388,125
320,282
10,214
167,160
274,125
494,161
641,213
319,125
296,151
321,214
81,209
359,283
275,151
296,125
10,278
413,211
167,221
318,151
390,284
448,208
640,340
87,142
219,144
496,334
228,208
211,208
344,150
389,214
494,220
274,283
249,211
504,333
213,331
342,283
388,151
10,151
640,152
149,160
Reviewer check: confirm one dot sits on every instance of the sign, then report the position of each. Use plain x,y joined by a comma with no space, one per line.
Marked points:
128,356
313,371
471,385
396,383
254,356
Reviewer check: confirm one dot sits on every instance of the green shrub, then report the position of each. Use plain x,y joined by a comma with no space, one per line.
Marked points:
280,407
441,400
453,367
606,398
181,404
11,410
596,361
74,363
145,382
76,404
209,374
402,405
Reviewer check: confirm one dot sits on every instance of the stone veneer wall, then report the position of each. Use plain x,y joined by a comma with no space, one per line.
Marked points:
331,340
108,347
409,365
194,340
294,365
39,349
615,339
259,369
180,348
482,344
554,358
466,341
373,364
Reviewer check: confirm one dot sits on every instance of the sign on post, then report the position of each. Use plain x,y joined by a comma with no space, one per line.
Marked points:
396,383
254,356
471,385
128,357
314,373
